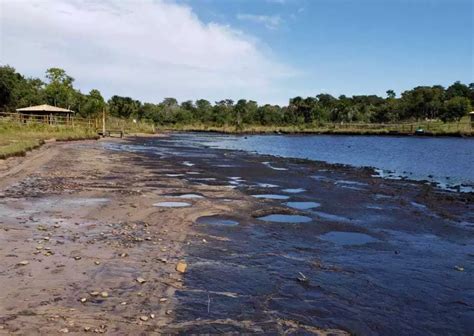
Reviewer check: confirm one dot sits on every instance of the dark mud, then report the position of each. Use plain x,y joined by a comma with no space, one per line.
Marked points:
409,269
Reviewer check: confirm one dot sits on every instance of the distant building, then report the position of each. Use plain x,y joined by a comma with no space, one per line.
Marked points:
46,110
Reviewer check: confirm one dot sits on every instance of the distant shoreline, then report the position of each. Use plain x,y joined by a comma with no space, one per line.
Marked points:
289,131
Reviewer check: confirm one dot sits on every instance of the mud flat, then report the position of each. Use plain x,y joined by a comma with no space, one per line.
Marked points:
85,248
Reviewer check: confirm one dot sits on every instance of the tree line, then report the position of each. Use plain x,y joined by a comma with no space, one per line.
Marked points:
419,103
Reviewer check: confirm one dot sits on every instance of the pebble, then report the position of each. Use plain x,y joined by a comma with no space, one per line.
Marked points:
140,280
144,318
181,267
104,294
97,262
163,299
23,263
83,300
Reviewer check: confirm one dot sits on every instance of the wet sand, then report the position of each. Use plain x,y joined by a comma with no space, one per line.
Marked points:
85,245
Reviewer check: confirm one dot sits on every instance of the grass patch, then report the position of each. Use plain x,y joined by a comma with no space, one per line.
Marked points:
16,139
436,128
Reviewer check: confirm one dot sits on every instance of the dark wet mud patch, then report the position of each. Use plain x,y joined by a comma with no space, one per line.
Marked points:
171,204
342,238
303,205
282,218
219,220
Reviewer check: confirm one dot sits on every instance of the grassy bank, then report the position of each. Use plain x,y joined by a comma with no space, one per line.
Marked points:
16,139
434,128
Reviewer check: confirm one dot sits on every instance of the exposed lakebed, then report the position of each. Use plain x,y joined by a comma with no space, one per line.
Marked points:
379,257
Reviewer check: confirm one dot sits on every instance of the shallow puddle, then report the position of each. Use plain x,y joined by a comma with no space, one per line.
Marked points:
280,218
172,204
348,238
185,196
272,196
294,190
302,205
267,185
216,220
269,165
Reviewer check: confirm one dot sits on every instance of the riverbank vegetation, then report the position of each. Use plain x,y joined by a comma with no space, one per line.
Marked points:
434,108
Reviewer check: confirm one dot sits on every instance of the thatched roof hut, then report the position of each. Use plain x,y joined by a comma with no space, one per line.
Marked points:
45,109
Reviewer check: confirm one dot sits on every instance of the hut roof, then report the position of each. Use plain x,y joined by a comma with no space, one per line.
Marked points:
44,108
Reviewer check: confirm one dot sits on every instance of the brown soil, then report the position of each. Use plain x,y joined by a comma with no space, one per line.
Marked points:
75,221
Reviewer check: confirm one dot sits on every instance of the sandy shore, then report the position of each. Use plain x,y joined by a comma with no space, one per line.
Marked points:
83,248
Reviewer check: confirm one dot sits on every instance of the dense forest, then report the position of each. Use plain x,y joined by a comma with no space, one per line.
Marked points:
420,103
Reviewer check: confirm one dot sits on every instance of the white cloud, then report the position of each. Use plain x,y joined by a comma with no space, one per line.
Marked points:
147,49
271,22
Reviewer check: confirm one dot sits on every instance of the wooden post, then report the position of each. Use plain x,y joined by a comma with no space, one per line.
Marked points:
103,122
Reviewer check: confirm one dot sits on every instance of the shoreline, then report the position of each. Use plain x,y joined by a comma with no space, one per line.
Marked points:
82,215
278,131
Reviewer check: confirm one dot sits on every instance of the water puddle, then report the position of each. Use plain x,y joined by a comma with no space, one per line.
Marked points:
332,217
216,220
302,205
294,190
267,185
268,164
348,238
272,196
172,204
188,196
280,218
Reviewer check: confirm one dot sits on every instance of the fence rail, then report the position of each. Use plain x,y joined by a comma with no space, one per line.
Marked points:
50,119
116,124
111,123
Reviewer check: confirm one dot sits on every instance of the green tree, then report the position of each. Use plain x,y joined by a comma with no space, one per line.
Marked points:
59,90
455,108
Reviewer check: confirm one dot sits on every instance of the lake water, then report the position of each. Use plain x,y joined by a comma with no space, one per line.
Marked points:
445,161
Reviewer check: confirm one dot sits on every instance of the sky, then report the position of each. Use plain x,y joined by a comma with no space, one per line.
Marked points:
265,50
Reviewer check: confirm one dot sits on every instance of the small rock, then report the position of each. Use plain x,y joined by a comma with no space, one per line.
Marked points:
86,329
77,258
152,316
94,293
64,330
97,262
23,263
181,267
144,318
104,294
168,312
83,300
163,299
140,280
459,268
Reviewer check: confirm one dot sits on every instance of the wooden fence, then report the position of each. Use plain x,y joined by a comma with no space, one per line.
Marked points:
111,123
52,120
116,124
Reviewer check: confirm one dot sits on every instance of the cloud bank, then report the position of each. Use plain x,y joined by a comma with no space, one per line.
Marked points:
145,49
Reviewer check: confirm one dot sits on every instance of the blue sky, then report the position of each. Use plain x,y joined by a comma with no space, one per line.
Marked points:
359,46
266,50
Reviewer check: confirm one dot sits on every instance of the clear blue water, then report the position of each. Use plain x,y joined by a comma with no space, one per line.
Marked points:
446,161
